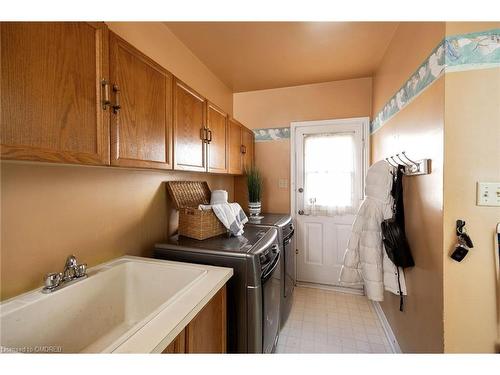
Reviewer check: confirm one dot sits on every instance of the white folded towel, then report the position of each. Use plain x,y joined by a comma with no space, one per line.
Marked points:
230,214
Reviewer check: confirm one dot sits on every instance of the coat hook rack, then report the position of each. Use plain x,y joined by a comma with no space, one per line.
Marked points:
411,168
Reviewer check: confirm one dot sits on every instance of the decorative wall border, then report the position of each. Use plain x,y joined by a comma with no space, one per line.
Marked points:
479,50
472,51
271,134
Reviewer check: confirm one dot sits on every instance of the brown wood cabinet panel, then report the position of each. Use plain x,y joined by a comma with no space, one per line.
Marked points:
189,122
218,135
206,333
248,139
235,143
141,130
178,346
51,104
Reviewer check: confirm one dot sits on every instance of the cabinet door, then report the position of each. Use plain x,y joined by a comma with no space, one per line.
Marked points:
217,135
178,346
141,129
248,148
235,147
51,104
206,333
189,125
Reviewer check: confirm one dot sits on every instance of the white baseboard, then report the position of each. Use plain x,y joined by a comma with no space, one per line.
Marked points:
393,342
335,288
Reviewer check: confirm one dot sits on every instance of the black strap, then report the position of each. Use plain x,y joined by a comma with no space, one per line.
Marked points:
397,193
400,292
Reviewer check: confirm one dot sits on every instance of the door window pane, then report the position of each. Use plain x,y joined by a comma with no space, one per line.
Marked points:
329,162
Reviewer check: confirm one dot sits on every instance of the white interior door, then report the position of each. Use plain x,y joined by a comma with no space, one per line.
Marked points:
328,169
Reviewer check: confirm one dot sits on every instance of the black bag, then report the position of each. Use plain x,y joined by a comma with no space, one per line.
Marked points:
396,244
393,233
393,230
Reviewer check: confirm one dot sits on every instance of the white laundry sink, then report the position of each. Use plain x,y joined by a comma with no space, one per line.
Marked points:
130,304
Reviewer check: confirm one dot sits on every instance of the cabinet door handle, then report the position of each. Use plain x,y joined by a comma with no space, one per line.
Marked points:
209,136
116,106
203,135
243,149
105,94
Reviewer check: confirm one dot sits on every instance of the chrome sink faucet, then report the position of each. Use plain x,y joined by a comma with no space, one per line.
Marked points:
71,273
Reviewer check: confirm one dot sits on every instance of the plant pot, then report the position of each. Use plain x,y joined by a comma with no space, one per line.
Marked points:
254,208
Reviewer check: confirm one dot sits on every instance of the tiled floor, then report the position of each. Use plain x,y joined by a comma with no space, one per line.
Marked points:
324,321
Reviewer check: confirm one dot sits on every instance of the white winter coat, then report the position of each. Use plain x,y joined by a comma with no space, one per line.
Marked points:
365,260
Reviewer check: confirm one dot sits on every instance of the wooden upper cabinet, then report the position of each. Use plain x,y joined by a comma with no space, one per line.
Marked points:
141,129
51,102
73,92
217,139
248,148
235,147
189,125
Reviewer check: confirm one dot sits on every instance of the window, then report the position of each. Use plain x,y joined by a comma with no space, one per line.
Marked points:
329,161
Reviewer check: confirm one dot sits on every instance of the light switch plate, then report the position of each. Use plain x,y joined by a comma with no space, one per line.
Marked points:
283,183
488,193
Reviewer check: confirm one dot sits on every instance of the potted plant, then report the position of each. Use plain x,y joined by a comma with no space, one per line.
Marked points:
254,185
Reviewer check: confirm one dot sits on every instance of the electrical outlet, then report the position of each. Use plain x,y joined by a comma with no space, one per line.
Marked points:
283,183
488,193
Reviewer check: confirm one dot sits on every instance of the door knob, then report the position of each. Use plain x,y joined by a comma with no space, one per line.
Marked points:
301,190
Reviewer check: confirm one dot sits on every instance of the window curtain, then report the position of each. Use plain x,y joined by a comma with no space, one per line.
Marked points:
329,162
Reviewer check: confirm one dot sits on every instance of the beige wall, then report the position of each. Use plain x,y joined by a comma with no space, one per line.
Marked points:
49,211
418,130
280,107
410,45
453,28
157,41
472,153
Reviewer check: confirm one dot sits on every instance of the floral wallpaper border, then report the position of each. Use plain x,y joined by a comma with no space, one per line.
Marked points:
479,50
271,134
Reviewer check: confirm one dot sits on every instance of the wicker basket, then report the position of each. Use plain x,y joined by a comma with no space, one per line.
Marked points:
194,223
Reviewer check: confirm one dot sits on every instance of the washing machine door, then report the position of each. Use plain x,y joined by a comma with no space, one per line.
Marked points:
289,256
271,298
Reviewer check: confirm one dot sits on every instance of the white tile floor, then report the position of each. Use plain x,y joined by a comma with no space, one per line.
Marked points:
324,321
